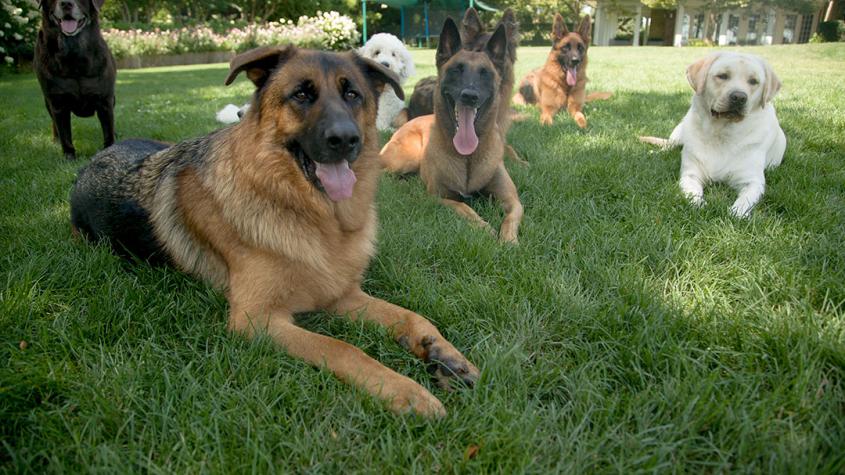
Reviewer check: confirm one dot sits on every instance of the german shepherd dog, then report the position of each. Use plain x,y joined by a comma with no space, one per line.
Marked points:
278,212
562,81
459,152
75,68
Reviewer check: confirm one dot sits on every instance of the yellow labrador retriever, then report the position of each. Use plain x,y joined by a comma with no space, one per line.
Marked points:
730,133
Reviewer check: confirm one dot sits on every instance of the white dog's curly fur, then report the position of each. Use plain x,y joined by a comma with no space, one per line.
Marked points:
388,50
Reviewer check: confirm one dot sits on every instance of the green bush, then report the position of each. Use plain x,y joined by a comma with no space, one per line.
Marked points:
18,29
831,31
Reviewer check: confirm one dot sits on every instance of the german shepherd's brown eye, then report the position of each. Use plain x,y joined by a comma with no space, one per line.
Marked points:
723,76
351,95
753,81
305,93
567,47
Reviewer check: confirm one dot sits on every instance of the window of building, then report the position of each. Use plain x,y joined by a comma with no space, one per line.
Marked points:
789,25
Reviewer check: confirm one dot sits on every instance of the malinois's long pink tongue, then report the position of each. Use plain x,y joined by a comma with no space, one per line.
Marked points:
465,139
572,75
69,26
337,179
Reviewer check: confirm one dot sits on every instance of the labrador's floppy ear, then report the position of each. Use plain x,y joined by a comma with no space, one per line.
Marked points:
449,44
559,29
585,28
259,63
697,72
378,75
471,26
772,83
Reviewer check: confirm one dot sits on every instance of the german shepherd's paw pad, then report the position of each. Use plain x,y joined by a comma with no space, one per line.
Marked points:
447,363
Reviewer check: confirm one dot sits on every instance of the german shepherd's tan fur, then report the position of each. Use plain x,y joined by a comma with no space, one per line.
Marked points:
429,144
242,209
549,86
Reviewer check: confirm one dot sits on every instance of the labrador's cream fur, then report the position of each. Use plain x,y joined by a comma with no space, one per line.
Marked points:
724,141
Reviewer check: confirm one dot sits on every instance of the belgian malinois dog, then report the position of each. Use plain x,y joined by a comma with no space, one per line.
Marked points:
459,150
562,81
277,211
75,68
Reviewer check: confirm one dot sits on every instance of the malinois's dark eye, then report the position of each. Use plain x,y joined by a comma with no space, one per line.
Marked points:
723,76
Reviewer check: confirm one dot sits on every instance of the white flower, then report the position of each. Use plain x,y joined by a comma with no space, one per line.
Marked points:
17,36
9,59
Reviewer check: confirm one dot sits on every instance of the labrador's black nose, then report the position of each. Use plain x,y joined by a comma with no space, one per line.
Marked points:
739,98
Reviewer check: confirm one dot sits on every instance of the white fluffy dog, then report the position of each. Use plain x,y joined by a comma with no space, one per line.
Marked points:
388,50
730,133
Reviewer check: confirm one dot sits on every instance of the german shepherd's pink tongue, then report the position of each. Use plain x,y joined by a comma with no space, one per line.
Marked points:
465,139
337,179
69,26
571,75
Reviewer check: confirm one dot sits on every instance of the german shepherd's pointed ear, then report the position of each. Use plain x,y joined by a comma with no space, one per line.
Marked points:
585,28
772,83
559,29
471,26
259,63
697,72
449,44
379,76
511,31
97,4
497,47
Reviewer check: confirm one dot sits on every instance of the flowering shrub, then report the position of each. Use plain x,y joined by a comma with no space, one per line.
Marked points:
327,30
18,28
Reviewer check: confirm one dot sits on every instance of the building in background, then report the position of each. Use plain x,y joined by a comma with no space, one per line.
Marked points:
619,22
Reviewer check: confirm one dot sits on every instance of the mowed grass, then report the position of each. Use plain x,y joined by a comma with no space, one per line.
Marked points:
628,332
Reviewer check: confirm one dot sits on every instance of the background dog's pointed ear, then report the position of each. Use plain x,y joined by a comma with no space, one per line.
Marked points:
697,72
559,29
471,26
772,83
379,76
259,63
98,4
585,28
497,47
449,44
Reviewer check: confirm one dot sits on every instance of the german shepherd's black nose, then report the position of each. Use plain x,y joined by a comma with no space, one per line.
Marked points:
343,137
469,97
576,61
738,98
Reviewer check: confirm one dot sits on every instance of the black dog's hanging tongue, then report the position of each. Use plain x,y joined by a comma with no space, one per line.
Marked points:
465,139
69,25
337,179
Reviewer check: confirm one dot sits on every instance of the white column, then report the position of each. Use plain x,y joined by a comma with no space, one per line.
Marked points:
612,24
780,22
637,22
742,31
770,27
723,29
679,25
598,31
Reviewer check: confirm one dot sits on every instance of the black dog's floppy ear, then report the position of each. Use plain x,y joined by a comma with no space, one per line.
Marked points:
585,28
471,25
449,44
559,29
497,47
379,75
259,63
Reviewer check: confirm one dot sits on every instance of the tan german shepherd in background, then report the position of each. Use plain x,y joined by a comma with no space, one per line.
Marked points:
459,151
562,81
277,211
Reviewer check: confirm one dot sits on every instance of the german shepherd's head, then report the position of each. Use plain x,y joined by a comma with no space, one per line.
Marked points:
570,48
70,16
319,107
466,101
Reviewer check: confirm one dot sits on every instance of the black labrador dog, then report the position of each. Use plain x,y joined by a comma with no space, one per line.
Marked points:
75,68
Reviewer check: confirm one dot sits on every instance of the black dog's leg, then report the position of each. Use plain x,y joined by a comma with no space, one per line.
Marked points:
52,120
105,112
62,118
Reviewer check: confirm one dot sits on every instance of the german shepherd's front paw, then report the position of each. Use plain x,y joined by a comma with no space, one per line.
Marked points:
447,363
409,396
580,120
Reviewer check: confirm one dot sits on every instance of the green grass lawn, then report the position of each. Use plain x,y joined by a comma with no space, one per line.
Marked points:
628,332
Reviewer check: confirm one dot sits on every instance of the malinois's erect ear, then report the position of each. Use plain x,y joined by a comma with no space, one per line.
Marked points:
497,47
259,63
450,42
